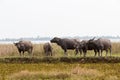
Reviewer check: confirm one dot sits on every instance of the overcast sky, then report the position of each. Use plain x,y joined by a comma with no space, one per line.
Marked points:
49,18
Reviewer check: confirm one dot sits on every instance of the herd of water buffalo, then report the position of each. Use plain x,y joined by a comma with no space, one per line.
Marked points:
98,45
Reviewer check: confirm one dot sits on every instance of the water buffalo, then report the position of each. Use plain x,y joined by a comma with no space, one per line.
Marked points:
23,46
65,43
83,46
47,49
100,45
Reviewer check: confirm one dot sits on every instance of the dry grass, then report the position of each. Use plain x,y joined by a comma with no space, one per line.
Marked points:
116,47
11,50
7,49
35,75
75,73
86,72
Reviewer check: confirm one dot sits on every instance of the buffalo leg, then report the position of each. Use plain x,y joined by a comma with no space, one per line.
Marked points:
110,51
19,52
95,53
101,52
51,53
80,52
65,52
98,52
106,52
48,53
85,51
45,53
23,53
30,52
76,52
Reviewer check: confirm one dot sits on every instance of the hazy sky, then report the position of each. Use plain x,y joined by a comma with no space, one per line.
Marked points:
49,18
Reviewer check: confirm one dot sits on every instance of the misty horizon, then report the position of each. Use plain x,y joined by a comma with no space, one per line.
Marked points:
49,18
38,37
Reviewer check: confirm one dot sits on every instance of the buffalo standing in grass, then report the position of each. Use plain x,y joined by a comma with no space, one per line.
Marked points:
65,43
100,45
83,46
47,49
97,45
23,46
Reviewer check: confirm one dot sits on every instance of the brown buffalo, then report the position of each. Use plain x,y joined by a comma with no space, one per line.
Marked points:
23,46
47,49
65,43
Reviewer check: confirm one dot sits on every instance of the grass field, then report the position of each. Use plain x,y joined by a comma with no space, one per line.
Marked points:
59,71
11,50
58,67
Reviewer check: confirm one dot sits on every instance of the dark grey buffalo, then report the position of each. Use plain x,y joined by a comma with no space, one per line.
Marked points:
83,46
23,46
65,43
47,49
100,45
97,45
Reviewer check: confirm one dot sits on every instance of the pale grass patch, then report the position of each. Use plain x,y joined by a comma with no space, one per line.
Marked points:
38,50
116,47
110,77
20,74
86,72
1,77
34,75
7,49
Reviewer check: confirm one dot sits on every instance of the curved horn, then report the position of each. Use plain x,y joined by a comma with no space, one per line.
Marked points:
93,38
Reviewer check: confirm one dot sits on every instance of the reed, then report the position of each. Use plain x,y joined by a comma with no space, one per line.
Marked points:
11,50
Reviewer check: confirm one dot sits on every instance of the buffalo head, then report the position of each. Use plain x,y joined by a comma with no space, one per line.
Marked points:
55,40
17,45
